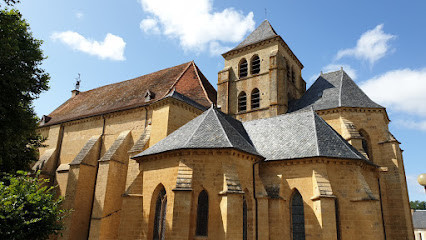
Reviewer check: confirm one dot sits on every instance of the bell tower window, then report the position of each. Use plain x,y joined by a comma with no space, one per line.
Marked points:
255,65
243,68
242,102
255,98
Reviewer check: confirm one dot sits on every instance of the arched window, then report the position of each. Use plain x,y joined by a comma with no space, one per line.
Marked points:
242,101
365,143
244,218
243,68
160,215
255,98
336,205
202,214
297,217
255,65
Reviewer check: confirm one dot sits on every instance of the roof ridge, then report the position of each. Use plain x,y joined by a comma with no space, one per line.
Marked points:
340,88
223,130
82,92
346,143
193,133
199,80
315,131
250,144
178,78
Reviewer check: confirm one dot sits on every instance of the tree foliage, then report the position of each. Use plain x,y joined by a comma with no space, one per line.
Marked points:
29,209
21,81
418,205
11,2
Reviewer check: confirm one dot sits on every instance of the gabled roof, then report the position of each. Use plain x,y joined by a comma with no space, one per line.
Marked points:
419,219
298,135
332,90
186,79
263,32
211,130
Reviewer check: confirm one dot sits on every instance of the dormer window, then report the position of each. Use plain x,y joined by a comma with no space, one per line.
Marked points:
255,98
242,102
149,96
243,68
255,65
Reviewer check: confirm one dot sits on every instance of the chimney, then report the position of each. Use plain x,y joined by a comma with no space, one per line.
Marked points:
74,93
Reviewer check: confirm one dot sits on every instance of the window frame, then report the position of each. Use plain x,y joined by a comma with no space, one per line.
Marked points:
242,103
253,98
252,65
202,220
243,61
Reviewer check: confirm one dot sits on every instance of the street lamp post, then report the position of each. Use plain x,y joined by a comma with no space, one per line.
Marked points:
422,180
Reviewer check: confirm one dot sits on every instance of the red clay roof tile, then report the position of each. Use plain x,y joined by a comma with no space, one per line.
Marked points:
185,78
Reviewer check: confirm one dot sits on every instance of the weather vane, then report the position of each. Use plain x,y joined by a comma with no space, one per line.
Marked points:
77,83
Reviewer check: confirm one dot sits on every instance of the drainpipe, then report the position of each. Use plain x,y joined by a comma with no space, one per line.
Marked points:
255,200
381,208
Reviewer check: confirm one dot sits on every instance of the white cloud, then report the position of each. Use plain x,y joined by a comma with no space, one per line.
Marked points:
403,90
348,69
417,125
371,46
414,187
79,15
111,48
150,25
194,22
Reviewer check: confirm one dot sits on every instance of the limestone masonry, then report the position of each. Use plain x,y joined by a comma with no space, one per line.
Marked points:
163,156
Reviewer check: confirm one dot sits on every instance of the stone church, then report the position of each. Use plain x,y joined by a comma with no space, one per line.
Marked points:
165,156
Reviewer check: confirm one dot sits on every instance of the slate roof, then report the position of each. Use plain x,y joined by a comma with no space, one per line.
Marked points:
332,90
263,32
186,78
174,94
211,130
298,135
419,219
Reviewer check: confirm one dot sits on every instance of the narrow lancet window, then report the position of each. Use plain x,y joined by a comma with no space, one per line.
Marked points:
255,98
255,65
297,216
242,102
365,143
288,72
243,68
202,214
293,76
160,216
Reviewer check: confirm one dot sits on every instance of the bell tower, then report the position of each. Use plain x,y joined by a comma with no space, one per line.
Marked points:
260,77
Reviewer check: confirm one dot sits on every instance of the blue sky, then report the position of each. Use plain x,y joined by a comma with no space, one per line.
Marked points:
381,44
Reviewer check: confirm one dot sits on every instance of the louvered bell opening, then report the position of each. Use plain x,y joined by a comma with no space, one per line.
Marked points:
243,69
255,99
255,65
242,102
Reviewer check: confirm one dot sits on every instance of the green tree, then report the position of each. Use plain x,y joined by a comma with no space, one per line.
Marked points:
21,81
418,205
29,209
